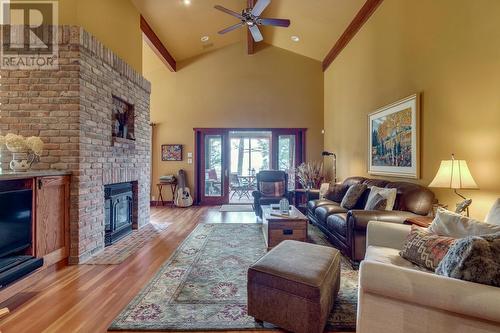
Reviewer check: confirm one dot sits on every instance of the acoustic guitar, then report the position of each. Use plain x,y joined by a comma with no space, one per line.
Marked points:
183,196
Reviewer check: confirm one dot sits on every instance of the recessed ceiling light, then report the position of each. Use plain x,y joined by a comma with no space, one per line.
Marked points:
186,2
204,39
295,39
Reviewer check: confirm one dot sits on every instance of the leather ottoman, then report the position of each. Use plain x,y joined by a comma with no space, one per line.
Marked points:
294,286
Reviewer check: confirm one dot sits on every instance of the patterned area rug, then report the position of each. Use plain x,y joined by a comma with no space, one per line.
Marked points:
203,285
119,252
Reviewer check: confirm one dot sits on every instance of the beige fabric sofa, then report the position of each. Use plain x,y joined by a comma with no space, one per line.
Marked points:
396,296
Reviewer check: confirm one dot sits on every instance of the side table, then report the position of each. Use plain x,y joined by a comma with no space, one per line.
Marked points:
421,221
301,196
173,188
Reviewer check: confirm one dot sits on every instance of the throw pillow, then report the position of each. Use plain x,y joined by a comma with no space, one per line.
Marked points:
454,225
474,259
352,196
493,216
424,248
272,189
378,202
337,192
388,193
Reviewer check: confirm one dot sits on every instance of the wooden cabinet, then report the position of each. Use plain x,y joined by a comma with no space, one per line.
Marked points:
52,218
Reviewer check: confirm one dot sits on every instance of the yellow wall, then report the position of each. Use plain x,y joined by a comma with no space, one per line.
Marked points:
228,88
116,23
449,51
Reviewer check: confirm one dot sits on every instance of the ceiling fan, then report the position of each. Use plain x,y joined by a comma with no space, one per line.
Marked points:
251,18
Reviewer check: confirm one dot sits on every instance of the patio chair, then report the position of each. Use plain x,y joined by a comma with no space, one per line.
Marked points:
237,187
212,181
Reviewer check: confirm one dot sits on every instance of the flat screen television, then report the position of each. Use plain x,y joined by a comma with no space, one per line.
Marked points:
15,222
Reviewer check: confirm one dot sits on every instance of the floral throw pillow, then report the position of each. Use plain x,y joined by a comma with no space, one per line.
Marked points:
425,249
352,196
272,189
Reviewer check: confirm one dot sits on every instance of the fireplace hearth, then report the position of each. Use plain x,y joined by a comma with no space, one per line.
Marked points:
119,203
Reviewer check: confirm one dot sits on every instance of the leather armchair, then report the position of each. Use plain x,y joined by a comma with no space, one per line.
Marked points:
346,229
260,199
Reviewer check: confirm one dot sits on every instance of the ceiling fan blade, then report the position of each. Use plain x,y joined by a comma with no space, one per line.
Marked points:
260,6
231,28
256,35
229,11
274,22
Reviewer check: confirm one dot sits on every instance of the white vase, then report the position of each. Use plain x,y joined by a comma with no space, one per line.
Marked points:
21,161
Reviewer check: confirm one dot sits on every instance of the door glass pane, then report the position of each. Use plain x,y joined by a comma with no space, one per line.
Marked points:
213,166
250,153
286,157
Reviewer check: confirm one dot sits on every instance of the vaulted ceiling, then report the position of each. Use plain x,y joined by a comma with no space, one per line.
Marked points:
318,24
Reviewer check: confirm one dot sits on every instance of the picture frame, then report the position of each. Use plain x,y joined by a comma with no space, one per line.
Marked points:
394,139
171,152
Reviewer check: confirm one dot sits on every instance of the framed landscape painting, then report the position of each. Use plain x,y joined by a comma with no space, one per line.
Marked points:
171,152
393,139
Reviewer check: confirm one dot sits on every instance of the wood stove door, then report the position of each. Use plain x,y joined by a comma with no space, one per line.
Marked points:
122,212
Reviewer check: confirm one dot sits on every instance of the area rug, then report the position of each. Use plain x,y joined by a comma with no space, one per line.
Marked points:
203,285
236,208
119,252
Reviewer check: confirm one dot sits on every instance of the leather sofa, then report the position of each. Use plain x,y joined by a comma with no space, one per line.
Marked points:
346,229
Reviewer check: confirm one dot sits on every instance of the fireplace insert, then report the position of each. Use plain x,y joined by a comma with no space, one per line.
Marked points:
118,210
16,236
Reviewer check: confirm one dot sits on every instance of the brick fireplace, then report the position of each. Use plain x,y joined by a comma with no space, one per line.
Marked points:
71,109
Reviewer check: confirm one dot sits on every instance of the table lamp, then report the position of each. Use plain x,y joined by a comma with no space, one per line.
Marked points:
334,175
455,174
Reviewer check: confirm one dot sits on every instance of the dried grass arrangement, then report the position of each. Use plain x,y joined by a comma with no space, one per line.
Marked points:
310,174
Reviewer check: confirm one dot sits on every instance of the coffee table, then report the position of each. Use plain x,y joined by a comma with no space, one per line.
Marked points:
279,228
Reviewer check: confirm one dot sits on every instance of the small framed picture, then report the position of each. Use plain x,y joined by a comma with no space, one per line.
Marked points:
171,152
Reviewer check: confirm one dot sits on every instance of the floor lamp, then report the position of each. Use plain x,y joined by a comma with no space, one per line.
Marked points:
334,156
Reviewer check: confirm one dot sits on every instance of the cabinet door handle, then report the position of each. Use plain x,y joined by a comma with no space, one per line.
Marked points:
39,184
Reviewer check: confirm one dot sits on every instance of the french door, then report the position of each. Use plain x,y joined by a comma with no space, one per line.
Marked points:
212,166
213,159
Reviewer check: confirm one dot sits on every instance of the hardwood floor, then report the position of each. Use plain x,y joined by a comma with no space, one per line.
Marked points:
86,298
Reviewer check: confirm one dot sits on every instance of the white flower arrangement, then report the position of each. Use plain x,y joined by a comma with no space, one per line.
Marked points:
35,144
18,143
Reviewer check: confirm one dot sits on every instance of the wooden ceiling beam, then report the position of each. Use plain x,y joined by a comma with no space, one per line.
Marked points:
154,41
359,20
250,41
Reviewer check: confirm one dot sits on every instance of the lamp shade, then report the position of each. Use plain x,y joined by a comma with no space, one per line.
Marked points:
454,174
